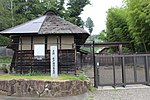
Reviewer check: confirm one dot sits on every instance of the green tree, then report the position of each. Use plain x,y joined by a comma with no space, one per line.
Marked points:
5,15
27,10
31,9
5,20
103,36
116,26
130,23
14,12
4,40
89,24
74,9
139,23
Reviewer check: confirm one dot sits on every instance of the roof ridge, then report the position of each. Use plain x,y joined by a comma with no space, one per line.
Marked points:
42,23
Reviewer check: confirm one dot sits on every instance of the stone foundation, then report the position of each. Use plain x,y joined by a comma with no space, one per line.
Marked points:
36,88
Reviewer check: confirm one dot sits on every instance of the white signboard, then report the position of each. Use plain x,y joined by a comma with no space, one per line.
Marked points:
54,61
39,50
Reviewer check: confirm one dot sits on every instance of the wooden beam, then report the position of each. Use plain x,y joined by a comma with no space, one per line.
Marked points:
45,45
21,54
31,42
60,41
110,44
120,48
32,54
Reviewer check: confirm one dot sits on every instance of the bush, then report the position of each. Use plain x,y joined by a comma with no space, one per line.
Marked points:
4,69
82,76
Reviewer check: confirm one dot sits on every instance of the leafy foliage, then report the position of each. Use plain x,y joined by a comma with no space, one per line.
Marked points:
4,69
103,36
4,40
20,11
74,9
130,23
117,27
5,15
139,23
89,24
82,76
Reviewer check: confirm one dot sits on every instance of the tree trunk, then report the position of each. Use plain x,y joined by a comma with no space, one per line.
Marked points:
144,45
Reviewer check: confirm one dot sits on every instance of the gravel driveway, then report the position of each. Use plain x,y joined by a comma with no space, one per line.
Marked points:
131,92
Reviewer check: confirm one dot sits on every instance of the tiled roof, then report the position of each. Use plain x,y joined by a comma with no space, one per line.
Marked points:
47,24
55,24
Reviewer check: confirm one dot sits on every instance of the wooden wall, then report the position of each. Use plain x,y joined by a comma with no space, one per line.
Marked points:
63,42
25,62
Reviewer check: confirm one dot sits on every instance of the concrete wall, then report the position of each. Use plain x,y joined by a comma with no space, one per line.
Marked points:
5,51
36,88
66,42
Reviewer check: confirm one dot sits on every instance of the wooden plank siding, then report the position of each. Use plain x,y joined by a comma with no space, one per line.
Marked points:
25,62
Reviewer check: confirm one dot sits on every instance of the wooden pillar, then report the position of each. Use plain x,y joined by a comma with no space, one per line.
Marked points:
60,42
75,58
123,71
57,42
75,51
120,48
46,44
21,55
95,67
59,71
81,56
146,70
45,52
134,65
31,42
59,53
114,72
32,54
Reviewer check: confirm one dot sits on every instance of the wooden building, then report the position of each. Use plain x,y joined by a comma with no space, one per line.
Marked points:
37,36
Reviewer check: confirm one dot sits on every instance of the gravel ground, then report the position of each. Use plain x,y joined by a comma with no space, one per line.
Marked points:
131,92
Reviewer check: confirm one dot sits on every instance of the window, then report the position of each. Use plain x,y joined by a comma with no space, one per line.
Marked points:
39,51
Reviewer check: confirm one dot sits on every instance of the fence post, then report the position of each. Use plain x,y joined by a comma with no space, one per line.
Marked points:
146,70
95,68
134,66
98,76
123,72
114,73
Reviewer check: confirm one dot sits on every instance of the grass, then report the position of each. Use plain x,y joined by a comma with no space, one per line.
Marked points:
6,60
38,77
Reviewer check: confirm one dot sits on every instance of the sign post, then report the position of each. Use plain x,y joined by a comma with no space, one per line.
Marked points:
54,61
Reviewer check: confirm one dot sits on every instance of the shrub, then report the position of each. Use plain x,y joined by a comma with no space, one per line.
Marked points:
82,76
4,69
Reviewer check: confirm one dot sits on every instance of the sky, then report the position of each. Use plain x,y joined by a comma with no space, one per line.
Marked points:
97,12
